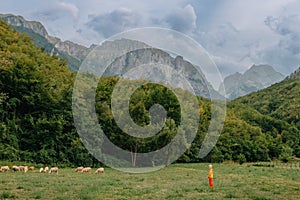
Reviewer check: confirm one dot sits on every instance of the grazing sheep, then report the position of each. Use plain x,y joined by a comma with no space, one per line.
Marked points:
4,168
25,169
79,169
86,169
0,170
41,170
21,168
46,169
99,170
31,168
16,168
53,170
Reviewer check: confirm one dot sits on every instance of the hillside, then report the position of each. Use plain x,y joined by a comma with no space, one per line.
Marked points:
280,101
35,103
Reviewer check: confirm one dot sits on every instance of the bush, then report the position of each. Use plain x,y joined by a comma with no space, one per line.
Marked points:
241,158
286,154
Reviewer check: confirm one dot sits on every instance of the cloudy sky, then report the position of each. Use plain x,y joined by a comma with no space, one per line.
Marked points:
236,33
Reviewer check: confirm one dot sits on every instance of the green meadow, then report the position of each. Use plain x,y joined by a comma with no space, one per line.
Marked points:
177,181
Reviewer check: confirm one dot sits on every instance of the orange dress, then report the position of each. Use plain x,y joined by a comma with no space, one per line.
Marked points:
210,178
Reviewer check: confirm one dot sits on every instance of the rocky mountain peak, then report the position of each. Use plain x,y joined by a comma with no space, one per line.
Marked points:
257,77
20,21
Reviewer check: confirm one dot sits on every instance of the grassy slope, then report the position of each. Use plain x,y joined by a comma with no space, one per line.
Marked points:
180,181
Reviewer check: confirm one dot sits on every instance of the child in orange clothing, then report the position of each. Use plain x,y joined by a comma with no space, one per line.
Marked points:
210,176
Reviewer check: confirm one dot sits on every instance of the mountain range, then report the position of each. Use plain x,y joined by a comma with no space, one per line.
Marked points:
75,54
256,78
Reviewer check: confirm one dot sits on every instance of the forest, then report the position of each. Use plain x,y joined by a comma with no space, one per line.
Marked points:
37,125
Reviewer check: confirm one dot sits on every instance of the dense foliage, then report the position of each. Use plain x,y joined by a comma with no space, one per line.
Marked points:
36,122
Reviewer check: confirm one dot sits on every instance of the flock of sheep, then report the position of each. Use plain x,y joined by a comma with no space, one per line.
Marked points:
47,170
88,169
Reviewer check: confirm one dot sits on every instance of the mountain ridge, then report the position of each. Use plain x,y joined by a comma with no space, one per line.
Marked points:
236,85
75,54
75,50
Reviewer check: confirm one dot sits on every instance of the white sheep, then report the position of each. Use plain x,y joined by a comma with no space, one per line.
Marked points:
4,168
46,169
99,170
25,169
21,168
16,168
41,170
86,169
79,169
53,170
31,168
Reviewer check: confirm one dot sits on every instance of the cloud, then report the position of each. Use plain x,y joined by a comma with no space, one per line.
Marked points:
57,11
183,20
285,52
69,7
228,46
114,22
283,25
240,34
289,28
280,58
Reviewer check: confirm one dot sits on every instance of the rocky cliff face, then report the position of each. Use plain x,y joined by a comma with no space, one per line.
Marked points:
158,65
74,50
256,78
13,20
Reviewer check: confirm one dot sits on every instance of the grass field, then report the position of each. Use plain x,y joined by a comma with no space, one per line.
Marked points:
178,181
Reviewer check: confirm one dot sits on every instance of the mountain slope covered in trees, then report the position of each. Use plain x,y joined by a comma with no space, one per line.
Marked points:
280,101
36,122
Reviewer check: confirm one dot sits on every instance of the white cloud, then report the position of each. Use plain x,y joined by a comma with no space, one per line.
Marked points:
242,33
183,20
289,28
70,8
114,22
57,10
